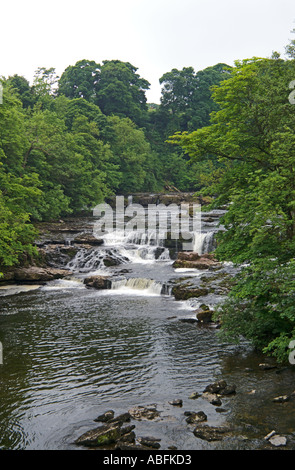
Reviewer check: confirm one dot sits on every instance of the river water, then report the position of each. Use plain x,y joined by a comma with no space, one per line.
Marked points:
71,353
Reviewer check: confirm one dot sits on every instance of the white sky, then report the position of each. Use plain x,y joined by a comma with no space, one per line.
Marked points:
154,35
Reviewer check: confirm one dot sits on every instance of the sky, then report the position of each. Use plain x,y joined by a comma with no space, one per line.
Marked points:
153,35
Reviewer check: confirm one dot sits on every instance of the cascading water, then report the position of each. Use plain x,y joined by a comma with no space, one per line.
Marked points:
149,286
144,251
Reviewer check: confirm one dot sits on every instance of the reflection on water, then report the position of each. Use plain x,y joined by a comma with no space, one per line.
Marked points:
71,353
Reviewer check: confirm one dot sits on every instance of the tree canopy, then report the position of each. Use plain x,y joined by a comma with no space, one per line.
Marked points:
252,136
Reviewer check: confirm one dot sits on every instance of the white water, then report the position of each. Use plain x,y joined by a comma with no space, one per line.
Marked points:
145,286
144,252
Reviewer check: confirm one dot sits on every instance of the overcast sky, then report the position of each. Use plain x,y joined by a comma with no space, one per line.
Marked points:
154,35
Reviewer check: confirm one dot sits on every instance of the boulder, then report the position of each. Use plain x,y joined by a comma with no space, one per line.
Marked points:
184,292
38,274
101,436
204,315
98,282
196,261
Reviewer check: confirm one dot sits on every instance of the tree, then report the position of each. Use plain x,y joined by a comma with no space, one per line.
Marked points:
252,136
132,154
23,90
80,80
186,97
121,91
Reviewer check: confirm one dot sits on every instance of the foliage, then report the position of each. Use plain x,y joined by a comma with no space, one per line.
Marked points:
252,137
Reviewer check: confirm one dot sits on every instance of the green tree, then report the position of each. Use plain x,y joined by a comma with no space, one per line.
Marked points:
252,136
122,91
132,154
80,80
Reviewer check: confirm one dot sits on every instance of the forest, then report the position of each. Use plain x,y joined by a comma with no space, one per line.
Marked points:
228,132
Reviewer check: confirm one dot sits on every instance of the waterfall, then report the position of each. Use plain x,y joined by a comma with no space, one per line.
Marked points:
148,286
203,242
95,259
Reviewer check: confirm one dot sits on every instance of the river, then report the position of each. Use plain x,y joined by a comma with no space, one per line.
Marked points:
70,353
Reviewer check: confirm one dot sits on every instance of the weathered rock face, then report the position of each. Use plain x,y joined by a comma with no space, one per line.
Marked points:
98,282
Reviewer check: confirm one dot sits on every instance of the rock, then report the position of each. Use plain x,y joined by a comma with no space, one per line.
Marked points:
194,395
38,274
188,256
101,436
144,412
110,261
122,418
105,417
204,316
194,260
216,387
265,366
278,441
128,438
184,293
216,402
228,390
176,402
281,399
88,239
98,282
210,433
194,418
149,442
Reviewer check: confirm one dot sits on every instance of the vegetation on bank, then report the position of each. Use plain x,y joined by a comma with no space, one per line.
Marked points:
252,137
67,143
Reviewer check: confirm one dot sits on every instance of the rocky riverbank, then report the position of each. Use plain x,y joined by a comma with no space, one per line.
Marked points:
120,432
